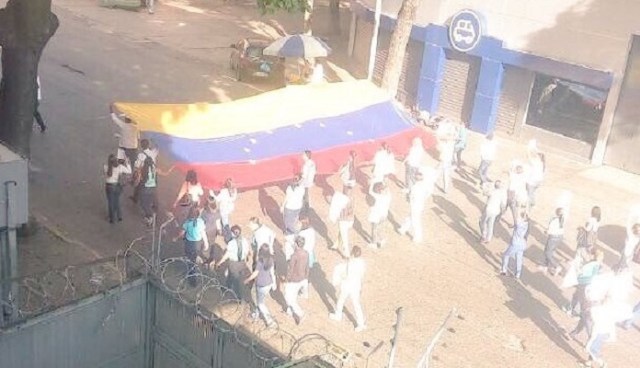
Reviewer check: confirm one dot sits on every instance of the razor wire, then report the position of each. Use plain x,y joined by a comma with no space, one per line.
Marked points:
210,300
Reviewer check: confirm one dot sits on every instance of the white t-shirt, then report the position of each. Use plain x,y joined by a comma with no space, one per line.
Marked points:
517,182
415,156
354,274
592,224
195,192
115,173
142,156
294,197
338,202
232,249
226,201
421,190
264,235
496,202
128,133
554,228
309,236
535,172
488,150
308,173
381,205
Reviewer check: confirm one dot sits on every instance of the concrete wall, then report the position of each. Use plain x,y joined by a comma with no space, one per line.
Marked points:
594,33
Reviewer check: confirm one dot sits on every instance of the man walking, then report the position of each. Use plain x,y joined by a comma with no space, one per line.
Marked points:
487,155
296,279
418,194
341,212
238,252
308,176
496,204
349,279
262,234
129,135
293,203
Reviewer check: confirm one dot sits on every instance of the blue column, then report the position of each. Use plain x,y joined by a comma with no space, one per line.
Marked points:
431,74
487,97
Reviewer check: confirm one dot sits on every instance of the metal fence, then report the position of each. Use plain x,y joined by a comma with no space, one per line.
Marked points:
135,310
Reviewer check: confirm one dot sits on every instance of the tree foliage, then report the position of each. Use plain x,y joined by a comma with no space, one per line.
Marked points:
292,6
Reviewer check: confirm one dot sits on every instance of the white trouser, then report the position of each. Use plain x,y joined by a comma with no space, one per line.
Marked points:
291,291
343,229
354,294
413,224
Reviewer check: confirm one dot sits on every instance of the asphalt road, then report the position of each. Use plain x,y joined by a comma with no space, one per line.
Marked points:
83,70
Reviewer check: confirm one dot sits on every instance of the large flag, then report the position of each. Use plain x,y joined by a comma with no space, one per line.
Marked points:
260,139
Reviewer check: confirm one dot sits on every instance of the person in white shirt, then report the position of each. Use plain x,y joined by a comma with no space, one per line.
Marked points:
147,151
447,135
487,155
517,197
496,204
348,171
348,277
413,161
535,175
129,135
555,231
262,234
379,212
309,235
418,194
113,170
36,111
191,191
292,205
383,164
238,252
226,200
307,176
341,212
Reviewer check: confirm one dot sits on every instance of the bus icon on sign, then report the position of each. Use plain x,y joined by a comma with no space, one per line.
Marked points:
465,31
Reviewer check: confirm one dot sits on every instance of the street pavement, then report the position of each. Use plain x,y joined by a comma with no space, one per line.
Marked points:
179,55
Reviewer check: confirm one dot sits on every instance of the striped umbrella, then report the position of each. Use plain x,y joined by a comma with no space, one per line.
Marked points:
298,46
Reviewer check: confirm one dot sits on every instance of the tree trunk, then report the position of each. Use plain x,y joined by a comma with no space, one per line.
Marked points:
308,17
398,46
25,28
334,8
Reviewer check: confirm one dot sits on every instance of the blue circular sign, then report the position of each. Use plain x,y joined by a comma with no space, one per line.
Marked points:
465,30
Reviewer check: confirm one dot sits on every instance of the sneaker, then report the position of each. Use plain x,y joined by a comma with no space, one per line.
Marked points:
270,323
373,245
335,317
360,328
542,268
503,273
299,319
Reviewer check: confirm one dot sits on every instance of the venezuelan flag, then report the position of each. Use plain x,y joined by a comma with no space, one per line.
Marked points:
260,139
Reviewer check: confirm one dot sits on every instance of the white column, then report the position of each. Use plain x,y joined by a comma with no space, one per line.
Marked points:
374,39
352,34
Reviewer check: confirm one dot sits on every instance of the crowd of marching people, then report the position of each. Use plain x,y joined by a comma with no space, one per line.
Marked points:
601,294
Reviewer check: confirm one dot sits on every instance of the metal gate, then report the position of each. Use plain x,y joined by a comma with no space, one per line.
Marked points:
514,98
458,86
624,139
104,331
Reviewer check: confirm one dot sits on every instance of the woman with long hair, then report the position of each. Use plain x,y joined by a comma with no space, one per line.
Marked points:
190,192
265,282
113,170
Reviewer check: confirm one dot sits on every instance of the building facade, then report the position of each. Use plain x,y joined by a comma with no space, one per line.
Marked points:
565,72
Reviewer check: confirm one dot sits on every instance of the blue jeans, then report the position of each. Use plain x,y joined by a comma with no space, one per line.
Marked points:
261,308
290,218
113,192
513,251
595,348
483,171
